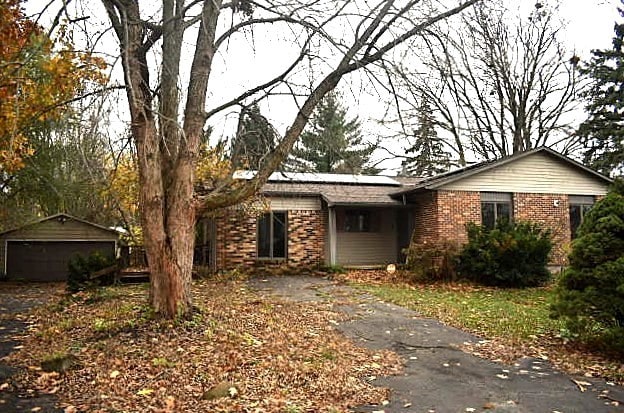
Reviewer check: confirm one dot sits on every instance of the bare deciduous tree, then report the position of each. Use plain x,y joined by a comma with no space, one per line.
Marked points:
499,83
168,121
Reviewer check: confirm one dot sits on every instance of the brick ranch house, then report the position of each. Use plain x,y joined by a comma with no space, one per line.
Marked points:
365,221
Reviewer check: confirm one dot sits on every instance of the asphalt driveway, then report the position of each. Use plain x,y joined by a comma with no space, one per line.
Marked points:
15,302
438,377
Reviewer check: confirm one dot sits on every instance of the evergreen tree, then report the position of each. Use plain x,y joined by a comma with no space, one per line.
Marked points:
332,143
590,295
255,138
603,131
426,157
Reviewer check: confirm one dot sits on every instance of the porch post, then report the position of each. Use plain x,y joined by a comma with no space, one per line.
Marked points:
332,235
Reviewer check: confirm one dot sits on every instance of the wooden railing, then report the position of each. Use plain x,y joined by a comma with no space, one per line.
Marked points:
135,256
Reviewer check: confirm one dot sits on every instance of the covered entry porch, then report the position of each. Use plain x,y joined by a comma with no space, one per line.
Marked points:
367,236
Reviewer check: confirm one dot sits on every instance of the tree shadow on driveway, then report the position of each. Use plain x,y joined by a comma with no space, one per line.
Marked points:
439,377
16,300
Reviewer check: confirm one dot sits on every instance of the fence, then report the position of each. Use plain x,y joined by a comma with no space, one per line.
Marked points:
135,256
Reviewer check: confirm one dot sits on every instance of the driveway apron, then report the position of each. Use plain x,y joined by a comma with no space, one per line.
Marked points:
439,377
15,301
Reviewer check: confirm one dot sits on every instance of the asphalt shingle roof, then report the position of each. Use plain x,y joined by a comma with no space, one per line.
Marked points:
337,194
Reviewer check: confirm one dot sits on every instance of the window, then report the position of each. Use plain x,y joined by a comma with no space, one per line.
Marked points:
272,236
357,220
579,205
495,206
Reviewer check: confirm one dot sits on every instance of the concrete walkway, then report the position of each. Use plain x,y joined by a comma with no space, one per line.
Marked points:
438,377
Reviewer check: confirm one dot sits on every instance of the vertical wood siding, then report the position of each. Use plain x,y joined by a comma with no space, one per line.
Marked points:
54,230
369,248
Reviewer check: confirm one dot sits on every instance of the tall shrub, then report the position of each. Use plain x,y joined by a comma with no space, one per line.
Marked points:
512,254
590,294
81,268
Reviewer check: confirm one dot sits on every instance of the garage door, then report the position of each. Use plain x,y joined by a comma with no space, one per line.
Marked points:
47,261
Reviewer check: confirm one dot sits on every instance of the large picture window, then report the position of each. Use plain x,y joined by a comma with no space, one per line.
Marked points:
495,207
272,235
579,206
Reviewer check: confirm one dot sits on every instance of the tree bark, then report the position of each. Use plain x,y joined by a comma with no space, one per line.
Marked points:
167,149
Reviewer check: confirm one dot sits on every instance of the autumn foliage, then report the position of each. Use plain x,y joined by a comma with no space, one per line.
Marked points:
38,76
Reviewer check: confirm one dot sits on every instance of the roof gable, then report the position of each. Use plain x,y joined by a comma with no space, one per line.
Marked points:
61,217
523,173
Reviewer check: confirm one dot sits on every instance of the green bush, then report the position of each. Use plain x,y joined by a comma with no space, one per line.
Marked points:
590,293
81,268
512,254
432,262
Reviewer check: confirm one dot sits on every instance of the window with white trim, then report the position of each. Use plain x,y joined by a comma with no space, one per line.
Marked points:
495,207
579,206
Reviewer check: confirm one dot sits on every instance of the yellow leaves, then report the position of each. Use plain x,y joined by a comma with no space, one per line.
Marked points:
211,167
145,392
36,81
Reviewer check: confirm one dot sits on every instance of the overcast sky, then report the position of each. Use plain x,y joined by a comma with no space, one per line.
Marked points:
590,25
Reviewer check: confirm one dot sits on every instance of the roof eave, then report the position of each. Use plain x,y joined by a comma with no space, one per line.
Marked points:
55,216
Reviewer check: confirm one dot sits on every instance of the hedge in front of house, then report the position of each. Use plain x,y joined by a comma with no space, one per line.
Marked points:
81,268
513,254
590,294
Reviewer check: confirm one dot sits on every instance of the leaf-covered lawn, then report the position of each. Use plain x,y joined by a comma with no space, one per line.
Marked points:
265,354
514,323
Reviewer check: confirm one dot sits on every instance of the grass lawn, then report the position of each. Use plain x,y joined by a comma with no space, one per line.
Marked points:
511,314
278,356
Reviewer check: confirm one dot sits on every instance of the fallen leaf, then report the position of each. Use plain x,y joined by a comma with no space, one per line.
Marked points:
145,392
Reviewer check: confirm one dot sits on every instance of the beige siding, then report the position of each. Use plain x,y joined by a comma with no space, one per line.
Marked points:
54,230
538,173
369,248
310,203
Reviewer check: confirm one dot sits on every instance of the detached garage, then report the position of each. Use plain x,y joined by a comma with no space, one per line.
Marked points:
41,251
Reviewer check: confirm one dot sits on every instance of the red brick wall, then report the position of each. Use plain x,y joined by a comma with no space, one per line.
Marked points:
541,209
455,210
236,239
425,218
443,215
306,237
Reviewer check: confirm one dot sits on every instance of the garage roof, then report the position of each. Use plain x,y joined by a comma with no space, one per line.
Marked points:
61,217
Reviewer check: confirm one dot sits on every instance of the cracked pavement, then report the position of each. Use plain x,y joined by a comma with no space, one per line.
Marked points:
438,377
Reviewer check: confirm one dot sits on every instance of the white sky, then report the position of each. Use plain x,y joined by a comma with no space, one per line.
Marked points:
590,25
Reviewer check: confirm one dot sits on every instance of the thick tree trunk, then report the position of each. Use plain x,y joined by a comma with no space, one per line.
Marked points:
170,266
167,151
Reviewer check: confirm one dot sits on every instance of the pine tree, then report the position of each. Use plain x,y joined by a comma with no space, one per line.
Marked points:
332,143
426,157
255,139
603,131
